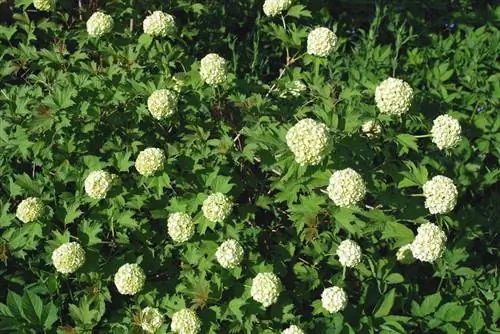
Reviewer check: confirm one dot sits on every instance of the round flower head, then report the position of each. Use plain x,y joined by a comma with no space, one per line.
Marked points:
68,257
180,227
162,103
294,88
334,299
440,194
393,96
371,129
216,207
429,244
30,209
151,319
98,183
213,69
129,279
309,141
349,253
43,5
266,288
446,132
346,187
404,254
293,330
185,321
274,7
321,42
159,24
99,24
229,254
149,161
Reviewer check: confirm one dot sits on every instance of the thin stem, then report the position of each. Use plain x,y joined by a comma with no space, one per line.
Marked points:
423,136
286,47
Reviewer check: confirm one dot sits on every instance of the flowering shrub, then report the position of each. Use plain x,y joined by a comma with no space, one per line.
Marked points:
249,166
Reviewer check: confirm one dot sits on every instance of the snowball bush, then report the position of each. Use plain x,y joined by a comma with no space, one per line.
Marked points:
309,141
293,329
149,161
334,299
99,24
162,103
44,5
217,207
229,254
349,253
393,96
98,183
321,42
30,209
440,194
346,187
151,319
159,24
180,227
185,321
213,69
68,257
129,279
266,288
275,7
446,132
429,244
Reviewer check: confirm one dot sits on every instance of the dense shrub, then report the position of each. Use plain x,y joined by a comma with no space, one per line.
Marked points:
249,167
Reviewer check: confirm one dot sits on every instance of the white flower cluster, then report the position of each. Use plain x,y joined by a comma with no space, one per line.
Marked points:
129,279
213,69
217,207
185,321
334,299
349,253
229,254
99,24
44,5
440,194
405,255
151,319
149,161
346,187
321,42
308,140
296,88
162,103
274,7
393,96
446,132
371,129
159,24
266,288
68,257
98,183
429,244
293,329
180,227
30,209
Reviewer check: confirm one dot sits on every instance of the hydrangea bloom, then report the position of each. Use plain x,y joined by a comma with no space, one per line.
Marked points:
216,207
149,161
129,279
346,187
151,319
266,288
393,96
99,24
185,321
440,194
274,7
98,183
429,244
309,141
162,103
68,257
213,69
321,42
30,209
371,129
293,330
334,299
229,254
180,227
446,132
44,5
159,24
405,255
349,253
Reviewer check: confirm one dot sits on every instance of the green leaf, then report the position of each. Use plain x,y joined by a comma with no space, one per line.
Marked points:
386,305
298,11
408,142
32,307
430,304
450,312
15,304
234,307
